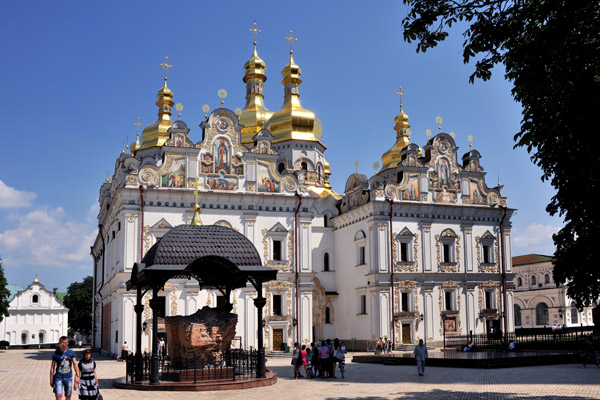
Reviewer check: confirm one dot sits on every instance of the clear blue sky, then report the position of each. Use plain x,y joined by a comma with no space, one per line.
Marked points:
78,73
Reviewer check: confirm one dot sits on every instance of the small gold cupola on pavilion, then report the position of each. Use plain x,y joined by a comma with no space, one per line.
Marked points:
392,157
293,122
255,114
156,134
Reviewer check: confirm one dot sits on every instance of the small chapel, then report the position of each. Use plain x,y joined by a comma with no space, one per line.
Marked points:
419,250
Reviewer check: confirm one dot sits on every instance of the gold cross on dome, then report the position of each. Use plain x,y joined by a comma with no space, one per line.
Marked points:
400,94
166,66
255,31
291,38
138,124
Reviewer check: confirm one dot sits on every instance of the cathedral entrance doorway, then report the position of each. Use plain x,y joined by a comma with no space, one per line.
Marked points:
406,334
277,339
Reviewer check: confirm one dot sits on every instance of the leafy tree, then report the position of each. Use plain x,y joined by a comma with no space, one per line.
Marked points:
550,50
79,301
4,294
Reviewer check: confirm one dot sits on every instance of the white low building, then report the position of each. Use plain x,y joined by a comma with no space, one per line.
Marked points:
36,316
409,253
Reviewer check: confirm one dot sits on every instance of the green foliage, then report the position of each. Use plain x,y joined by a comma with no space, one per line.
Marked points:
4,294
79,302
551,53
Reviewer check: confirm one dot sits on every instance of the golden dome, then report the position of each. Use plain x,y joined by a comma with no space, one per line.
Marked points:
156,134
392,157
293,122
255,114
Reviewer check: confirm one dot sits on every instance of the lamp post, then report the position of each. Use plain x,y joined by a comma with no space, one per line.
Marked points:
444,318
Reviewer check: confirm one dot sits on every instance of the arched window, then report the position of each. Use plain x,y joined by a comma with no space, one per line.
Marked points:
327,315
518,320
574,314
24,338
41,337
541,314
547,279
35,299
533,279
281,167
304,166
326,262
519,281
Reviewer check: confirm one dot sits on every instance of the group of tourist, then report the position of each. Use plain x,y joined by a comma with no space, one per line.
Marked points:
383,346
64,362
319,361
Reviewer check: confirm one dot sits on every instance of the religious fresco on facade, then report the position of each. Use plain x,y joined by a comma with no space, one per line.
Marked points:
206,165
221,182
237,166
412,189
442,167
175,176
445,196
265,181
450,324
475,195
254,88
222,155
178,139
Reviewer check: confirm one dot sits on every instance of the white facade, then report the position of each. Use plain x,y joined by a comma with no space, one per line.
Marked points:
538,302
36,316
442,243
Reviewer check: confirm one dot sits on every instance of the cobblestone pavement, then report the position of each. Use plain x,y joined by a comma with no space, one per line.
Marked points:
24,374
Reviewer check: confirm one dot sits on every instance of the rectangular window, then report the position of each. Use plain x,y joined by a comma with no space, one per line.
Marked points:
220,301
277,304
361,255
447,258
449,297
488,299
403,251
363,304
486,254
277,250
405,301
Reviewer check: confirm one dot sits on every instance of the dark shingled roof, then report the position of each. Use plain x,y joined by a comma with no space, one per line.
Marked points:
184,244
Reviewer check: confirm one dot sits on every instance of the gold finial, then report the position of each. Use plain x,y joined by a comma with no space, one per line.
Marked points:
196,220
255,31
179,107
166,66
356,165
400,94
438,121
291,38
206,109
470,139
498,179
376,166
107,177
36,279
123,148
127,144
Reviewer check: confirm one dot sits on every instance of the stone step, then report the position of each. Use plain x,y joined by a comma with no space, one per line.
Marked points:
279,354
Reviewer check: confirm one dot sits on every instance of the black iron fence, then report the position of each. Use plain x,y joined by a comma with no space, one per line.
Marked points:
235,364
529,338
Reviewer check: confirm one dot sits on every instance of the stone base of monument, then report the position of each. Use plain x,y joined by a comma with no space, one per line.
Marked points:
205,374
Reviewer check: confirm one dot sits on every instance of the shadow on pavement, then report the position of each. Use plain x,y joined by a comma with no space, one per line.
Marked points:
452,395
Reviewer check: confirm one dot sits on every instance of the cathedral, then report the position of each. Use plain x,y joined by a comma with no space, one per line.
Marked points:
417,251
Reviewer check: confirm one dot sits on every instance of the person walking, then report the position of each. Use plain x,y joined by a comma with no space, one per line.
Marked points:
589,354
61,370
124,351
421,355
88,389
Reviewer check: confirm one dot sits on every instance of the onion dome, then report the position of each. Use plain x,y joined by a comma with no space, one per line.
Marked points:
156,134
293,122
393,156
255,114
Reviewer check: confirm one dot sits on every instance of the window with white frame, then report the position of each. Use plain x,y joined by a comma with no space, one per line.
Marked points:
489,299
404,242
277,306
450,300
487,248
574,313
448,247
361,298
360,243
277,236
406,301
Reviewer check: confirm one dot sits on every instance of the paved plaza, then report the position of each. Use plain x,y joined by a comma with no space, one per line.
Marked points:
24,374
